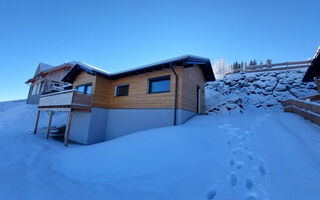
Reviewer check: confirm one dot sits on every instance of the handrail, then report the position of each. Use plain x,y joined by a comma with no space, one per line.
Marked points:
55,93
314,107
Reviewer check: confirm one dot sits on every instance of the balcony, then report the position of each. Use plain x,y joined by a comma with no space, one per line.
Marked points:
65,99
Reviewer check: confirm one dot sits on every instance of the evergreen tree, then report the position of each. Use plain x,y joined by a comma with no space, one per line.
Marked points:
268,62
254,62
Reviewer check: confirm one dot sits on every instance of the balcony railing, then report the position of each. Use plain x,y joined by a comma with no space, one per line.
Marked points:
53,86
67,98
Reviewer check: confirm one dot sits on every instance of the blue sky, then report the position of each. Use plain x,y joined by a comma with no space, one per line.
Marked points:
117,35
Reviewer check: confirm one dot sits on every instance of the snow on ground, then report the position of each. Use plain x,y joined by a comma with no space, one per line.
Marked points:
252,91
254,155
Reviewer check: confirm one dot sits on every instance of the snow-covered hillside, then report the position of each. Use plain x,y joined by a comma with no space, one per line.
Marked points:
250,156
262,91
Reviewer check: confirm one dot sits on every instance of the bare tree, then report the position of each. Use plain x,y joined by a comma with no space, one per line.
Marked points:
220,68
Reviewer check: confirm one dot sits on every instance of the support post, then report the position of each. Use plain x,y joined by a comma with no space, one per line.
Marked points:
49,125
67,132
37,121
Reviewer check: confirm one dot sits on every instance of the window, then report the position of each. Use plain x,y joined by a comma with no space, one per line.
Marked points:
85,89
159,84
121,90
41,87
34,88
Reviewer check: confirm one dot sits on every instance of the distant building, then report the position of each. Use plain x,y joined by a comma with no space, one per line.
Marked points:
47,79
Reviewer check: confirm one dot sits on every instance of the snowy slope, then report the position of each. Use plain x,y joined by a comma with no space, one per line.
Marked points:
257,91
254,155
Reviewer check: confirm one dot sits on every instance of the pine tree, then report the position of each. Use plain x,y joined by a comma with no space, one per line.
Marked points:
268,62
254,62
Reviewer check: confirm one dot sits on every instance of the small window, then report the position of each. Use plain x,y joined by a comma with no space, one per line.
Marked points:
85,89
159,84
42,87
34,89
89,89
80,88
122,90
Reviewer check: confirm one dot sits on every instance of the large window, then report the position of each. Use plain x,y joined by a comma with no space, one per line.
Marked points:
159,84
85,89
121,90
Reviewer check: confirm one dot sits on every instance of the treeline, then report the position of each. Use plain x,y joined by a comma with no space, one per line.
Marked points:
243,65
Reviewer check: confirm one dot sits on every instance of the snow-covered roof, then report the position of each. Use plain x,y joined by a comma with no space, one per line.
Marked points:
188,59
161,63
44,66
90,67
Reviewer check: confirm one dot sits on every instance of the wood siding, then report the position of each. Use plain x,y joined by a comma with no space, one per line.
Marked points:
192,78
85,78
56,75
138,91
103,90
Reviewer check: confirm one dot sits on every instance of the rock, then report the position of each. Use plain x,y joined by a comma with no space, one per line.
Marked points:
280,88
251,78
266,90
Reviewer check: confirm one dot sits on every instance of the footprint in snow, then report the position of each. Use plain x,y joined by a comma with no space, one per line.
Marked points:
233,179
239,164
250,156
232,162
249,183
262,168
211,194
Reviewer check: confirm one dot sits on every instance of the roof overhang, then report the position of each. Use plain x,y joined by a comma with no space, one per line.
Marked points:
186,61
313,70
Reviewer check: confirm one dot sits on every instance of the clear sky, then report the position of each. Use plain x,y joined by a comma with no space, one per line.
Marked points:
117,35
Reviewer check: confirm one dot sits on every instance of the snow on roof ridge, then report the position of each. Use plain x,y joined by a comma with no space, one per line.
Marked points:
45,66
89,66
159,63
186,56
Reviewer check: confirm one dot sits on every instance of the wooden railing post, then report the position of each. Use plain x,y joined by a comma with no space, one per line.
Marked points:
49,125
37,121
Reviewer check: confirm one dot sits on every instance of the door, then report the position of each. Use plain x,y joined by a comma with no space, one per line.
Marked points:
198,100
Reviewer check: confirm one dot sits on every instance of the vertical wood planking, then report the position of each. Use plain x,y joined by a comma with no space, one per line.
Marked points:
49,125
37,121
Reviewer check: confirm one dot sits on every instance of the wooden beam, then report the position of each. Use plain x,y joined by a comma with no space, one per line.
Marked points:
67,132
49,125
37,121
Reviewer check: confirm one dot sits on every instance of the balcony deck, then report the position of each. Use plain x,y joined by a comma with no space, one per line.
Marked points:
65,100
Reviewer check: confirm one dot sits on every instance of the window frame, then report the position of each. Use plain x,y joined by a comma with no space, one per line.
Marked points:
115,94
85,89
158,78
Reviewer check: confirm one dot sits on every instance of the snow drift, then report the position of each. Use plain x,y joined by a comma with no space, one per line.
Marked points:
254,155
